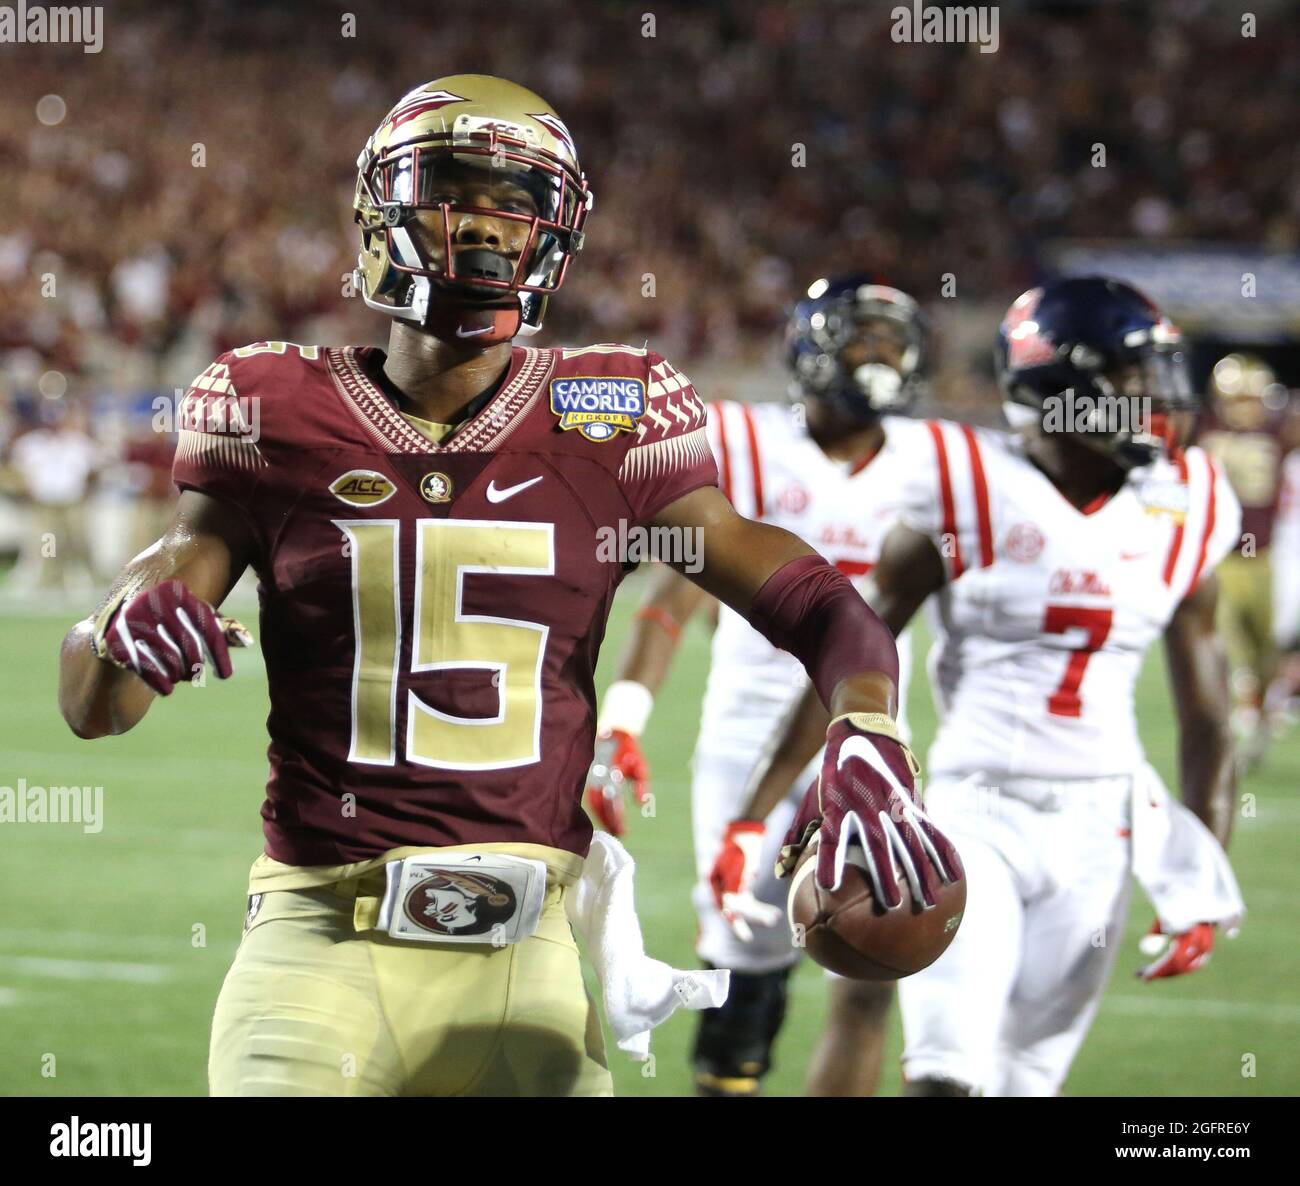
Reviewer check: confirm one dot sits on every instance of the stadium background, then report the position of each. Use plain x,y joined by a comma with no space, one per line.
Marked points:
188,190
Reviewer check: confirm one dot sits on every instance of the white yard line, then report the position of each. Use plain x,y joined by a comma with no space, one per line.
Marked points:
61,969
28,939
1211,1010
33,764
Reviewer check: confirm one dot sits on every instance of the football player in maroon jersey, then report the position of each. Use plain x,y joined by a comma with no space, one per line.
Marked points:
426,527
1250,428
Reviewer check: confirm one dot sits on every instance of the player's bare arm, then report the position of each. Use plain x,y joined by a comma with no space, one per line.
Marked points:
1198,677
206,548
618,763
803,605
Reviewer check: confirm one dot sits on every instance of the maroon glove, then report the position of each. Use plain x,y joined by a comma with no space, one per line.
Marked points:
866,795
165,634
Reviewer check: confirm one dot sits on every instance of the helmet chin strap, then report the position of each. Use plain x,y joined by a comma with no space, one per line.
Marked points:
462,322
455,320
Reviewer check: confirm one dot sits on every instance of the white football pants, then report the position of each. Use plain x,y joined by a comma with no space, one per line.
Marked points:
718,785
1006,1007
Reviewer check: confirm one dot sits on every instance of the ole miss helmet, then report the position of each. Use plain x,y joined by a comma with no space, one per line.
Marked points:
823,329
489,135
1099,356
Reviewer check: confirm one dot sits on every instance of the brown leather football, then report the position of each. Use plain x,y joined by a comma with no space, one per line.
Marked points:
847,932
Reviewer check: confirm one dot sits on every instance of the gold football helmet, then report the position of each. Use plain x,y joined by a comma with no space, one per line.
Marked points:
1245,391
471,202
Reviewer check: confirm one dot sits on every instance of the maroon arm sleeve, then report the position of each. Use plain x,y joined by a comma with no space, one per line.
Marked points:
811,609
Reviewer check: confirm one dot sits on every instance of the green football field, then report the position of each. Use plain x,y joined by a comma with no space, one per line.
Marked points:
113,944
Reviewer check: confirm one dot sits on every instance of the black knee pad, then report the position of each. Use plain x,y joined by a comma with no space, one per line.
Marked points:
733,1044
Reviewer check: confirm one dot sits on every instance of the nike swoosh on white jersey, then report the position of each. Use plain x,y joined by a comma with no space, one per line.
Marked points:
496,495
472,333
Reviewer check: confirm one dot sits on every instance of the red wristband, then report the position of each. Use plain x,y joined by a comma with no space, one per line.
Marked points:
663,619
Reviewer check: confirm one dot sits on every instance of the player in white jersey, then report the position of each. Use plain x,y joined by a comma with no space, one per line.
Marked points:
829,468
1058,557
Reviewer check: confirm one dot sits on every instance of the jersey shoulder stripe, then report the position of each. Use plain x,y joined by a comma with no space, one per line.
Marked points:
965,499
736,431
1180,528
755,461
949,520
1208,524
716,425
981,487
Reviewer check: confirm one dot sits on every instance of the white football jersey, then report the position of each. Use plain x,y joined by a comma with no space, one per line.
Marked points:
1048,610
773,471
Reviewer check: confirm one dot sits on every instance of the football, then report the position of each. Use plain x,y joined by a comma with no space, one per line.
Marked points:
849,933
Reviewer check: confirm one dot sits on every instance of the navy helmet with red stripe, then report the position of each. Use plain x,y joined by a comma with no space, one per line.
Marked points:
820,341
1094,356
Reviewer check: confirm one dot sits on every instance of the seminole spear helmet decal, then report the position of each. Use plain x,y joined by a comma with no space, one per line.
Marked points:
471,202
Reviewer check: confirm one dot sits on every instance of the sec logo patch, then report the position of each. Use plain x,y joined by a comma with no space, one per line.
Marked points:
435,487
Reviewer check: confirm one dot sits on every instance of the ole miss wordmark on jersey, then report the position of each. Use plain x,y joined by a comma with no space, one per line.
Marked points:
432,613
1048,609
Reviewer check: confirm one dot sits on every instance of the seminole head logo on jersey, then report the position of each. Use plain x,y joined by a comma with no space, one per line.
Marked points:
454,903
598,406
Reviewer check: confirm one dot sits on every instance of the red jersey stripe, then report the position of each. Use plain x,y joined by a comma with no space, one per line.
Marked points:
945,494
865,460
752,433
719,414
981,496
1176,545
1212,477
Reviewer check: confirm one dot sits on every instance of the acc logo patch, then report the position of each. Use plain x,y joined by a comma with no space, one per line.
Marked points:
451,902
435,487
362,488
598,406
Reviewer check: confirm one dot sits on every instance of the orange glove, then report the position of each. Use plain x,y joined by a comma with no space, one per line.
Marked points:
617,763
732,879
1181,953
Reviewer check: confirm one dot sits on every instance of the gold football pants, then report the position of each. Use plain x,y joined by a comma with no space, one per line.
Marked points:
1245,616
316,1004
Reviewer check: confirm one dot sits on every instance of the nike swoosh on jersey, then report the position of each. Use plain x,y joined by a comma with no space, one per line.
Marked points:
494,494
471,333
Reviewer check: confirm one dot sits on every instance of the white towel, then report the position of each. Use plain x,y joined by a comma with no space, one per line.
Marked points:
1180,865
639,992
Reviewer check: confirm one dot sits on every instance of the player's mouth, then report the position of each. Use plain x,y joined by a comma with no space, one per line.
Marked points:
473,265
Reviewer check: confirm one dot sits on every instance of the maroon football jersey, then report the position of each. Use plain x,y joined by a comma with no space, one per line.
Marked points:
431,615
1252,460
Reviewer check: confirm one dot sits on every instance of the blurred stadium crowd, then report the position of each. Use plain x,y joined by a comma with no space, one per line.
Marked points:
188,189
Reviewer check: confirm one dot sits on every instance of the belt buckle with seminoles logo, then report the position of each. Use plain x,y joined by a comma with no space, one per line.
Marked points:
463,898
